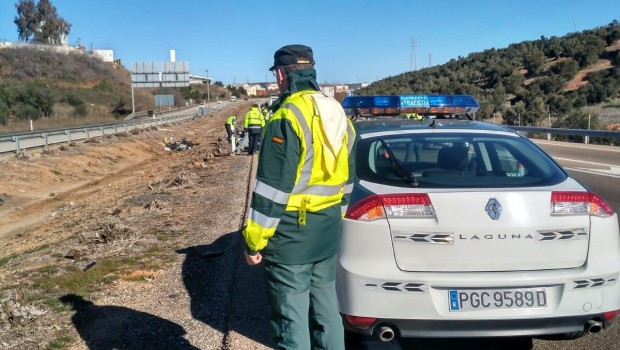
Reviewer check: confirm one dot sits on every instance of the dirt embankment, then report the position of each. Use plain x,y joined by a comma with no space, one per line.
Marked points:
112,223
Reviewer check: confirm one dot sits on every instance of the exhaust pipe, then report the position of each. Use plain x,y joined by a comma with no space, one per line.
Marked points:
386,333
594,326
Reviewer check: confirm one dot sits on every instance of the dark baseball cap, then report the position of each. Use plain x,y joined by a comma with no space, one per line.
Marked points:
292,54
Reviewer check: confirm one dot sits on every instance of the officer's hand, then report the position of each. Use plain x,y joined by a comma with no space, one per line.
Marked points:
252,259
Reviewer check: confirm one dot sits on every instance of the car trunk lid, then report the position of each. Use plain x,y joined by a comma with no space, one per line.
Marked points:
495,231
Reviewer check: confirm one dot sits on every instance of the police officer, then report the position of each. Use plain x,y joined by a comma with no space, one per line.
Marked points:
230,126
265,111
303,183
414,116
253,124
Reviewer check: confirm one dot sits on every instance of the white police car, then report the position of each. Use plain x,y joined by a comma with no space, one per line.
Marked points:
459,228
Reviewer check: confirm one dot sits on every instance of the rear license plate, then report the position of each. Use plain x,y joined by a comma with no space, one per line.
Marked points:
497,299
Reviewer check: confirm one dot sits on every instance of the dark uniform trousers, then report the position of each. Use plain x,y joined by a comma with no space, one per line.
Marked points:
254,132
303,297
229,131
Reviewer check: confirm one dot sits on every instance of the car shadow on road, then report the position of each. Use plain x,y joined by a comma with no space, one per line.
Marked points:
225,293
356,342
509,343
117,327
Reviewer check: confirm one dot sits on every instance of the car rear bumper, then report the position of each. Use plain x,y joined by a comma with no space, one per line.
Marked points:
482,328
370,284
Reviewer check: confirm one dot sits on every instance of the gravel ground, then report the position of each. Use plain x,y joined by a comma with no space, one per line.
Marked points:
171,218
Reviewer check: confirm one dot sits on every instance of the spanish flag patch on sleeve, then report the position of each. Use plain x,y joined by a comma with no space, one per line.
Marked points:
277,139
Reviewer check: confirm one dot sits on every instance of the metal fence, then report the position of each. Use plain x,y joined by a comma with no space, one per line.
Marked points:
20,141
527,130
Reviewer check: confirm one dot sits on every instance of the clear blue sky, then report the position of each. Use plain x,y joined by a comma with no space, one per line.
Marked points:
353,41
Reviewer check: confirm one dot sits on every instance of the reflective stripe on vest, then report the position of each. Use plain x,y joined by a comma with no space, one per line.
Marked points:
348,188
263,220
271,193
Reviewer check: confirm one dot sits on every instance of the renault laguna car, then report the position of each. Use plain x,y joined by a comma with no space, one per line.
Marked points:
460,228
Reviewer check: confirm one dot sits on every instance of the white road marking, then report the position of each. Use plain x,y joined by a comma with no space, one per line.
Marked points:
585,161
615,173
582,146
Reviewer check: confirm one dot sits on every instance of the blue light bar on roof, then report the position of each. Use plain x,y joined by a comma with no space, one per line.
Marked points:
421,104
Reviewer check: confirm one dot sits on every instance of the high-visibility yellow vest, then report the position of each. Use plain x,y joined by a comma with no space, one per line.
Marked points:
253,118
321,174
231,120
320,178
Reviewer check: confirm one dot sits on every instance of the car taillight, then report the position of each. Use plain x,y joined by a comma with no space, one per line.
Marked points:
368,209
360,322
572,202
376,207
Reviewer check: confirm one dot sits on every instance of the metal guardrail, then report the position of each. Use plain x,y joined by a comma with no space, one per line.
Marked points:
144,114
562,131
20,141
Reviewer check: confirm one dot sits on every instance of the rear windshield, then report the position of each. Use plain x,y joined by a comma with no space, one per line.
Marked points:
449,160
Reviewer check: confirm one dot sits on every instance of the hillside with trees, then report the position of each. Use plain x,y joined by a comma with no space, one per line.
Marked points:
528,81
53,84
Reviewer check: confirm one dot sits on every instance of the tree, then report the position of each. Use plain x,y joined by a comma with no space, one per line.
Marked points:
4,112
576,120
40,23
33,100
25,20
120,109
534,61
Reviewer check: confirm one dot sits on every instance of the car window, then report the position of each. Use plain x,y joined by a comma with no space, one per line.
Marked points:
455,160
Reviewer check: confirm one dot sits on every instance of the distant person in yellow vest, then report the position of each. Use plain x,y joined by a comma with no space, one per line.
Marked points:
265,111
230,126
414,116
253,125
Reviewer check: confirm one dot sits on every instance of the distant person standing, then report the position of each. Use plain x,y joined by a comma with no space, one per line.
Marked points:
230,126
253,124
303,183
265,111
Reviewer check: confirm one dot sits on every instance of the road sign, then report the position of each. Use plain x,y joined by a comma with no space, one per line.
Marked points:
160,74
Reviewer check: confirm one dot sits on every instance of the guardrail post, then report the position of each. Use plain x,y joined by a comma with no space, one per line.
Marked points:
46,139
16,139
87,133
102,130
69,135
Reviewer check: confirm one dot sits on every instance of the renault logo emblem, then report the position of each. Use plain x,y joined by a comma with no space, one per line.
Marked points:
493,208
